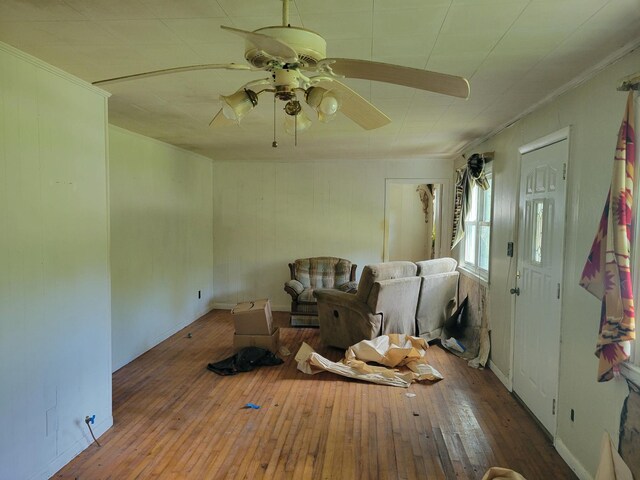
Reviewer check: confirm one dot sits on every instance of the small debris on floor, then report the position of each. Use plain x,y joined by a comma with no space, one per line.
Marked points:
416,414
252,405
409,395
284,351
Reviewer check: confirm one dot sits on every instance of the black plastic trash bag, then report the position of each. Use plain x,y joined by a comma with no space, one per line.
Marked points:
244,361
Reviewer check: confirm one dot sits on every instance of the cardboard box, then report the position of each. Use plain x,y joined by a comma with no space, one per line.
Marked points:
253,318
268,342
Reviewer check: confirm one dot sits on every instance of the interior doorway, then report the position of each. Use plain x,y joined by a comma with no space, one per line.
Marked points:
413,219
536,347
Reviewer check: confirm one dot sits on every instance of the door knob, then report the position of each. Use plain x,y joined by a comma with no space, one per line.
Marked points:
515,291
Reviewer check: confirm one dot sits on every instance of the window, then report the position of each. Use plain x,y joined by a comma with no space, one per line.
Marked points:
474,254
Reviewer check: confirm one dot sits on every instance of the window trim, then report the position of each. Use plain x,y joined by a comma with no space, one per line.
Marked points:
471,270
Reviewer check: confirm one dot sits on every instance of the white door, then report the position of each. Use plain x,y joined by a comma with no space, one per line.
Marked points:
536,357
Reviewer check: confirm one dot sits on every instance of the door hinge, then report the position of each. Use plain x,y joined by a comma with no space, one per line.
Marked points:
553,407
558,291
564,171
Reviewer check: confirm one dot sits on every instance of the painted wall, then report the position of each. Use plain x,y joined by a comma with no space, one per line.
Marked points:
268,214
55,331
161,230
409,234
593,111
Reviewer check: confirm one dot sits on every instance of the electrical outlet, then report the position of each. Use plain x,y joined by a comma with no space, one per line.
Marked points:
90,419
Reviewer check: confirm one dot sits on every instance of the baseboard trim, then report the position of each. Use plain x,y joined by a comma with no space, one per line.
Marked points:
304,321
501,376
572,461
78,447
229,306
153,342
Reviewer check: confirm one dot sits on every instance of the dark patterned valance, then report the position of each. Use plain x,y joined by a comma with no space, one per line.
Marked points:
471,174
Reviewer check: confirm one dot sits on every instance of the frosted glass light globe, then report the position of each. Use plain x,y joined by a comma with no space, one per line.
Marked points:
328,105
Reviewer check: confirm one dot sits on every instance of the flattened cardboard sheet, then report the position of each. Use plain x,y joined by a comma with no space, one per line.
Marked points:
396,350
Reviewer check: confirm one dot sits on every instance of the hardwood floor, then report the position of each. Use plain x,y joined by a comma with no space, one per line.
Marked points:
174,419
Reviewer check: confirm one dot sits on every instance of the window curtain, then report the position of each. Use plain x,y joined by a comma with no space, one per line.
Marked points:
426,193
607,271
468,176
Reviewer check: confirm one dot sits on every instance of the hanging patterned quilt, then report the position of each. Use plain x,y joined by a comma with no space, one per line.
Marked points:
607,272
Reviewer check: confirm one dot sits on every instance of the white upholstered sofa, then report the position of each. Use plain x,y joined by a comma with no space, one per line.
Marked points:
392,297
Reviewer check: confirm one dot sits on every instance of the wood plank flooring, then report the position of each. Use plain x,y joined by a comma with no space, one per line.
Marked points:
174,419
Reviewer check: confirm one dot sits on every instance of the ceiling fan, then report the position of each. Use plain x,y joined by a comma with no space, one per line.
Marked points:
299,70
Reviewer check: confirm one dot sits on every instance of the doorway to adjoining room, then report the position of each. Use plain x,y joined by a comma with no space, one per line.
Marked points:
413,219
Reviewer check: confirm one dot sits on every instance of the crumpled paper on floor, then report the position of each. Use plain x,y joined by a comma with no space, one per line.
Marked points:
498,473
611,466
391,351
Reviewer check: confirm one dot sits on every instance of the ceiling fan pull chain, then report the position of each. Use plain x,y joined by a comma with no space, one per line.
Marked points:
275,143
285,13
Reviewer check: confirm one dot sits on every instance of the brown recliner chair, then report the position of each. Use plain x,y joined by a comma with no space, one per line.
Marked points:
385,303
308,274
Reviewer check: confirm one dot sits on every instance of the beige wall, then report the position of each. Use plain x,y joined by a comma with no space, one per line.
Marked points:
55,328
594,112
161,230
268,214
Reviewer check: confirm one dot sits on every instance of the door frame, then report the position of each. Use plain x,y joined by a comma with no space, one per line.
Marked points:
442,247
555,137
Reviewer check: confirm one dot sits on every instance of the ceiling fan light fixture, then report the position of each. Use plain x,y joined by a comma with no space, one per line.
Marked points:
292,107
237,105
297,123
324,102
328,108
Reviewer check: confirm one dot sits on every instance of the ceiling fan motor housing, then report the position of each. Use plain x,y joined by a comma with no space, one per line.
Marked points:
309,46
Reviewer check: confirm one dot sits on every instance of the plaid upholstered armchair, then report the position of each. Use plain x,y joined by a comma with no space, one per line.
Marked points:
309,274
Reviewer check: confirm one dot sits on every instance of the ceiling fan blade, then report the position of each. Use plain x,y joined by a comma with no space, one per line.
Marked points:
220,120
269,45
165,71
354,106
399,75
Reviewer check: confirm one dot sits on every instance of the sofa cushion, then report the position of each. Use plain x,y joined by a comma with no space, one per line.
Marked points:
383,271
437,265
307,296
396,299
438,297
322,272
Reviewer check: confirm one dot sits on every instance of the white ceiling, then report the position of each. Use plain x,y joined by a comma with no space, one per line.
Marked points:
514,53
